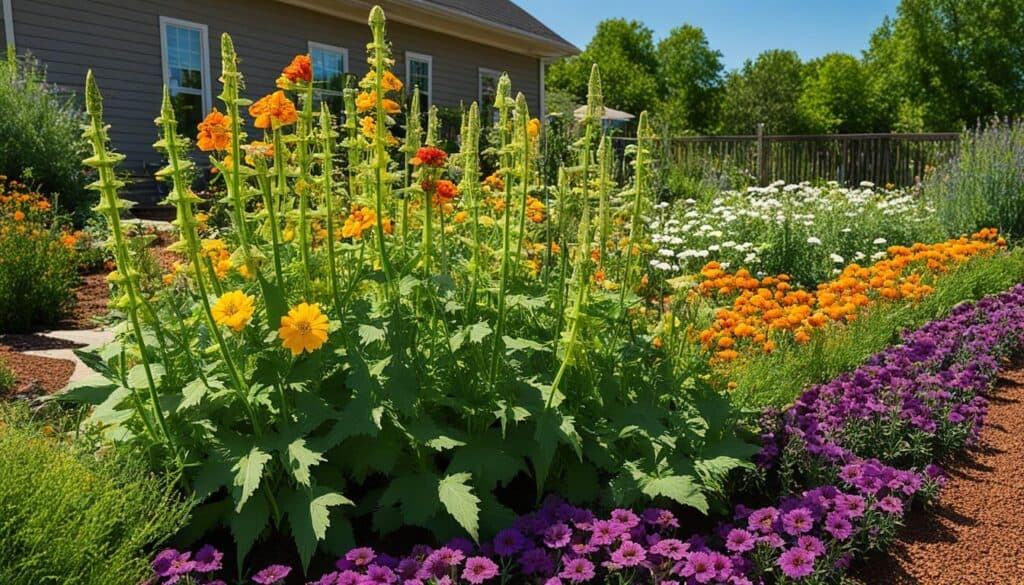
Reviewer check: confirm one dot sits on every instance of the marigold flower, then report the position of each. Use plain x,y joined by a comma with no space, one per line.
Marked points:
389,83
460,217
300,69
429,156
214,132
258,149
273,111
444,191
368,127
367,100
304,328
19,215
533,128
358,222
233,309
493,181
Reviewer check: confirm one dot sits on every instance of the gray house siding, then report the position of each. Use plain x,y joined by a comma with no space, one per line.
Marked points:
120,41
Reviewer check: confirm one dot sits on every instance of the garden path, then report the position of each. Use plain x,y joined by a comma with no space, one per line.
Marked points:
973,535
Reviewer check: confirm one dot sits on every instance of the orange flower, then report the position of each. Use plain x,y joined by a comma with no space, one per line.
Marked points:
273,111
214,132
358,222
389,83
369,128
258,148
429,156
19,215
445,191
300,69
367,100
533,128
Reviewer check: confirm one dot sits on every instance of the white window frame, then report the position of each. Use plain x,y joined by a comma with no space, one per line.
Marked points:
481,72
333,49
422,58
204,39
8,25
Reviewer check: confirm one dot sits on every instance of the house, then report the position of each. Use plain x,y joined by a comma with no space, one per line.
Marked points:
453,50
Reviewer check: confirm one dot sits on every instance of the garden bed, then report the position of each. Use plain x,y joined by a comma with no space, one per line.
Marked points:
973,533
34,375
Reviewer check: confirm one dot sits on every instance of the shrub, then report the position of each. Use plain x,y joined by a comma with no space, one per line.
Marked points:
72,517
40,134
38,261
984,185
7,377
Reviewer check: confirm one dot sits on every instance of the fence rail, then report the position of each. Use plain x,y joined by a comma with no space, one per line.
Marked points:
899,159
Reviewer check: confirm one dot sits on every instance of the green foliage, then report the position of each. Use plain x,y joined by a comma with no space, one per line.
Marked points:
776,379
839,96
7,377
766,90
951,63
625,52
691,73
984,185
39,134
73,517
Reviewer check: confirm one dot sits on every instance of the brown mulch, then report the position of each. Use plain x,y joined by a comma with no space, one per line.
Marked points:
91,298
35,375
975,535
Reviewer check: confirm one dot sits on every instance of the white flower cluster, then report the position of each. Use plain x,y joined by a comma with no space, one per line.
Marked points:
773,226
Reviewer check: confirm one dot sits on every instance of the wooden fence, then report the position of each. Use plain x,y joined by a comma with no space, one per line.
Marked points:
899,159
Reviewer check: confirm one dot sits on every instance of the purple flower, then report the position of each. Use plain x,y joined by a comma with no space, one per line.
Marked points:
762,520
722,565
629,554
208,559
625,517
797,521
739,541
378,574
536,561
173,564
509,542
605,532
796,563
360,557
479,569
890,504
272,575
349,577
670,548
811,544
557,536
838,526
699,566
578,570
850,505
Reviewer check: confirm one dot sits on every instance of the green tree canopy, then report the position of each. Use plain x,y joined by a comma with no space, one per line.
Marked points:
691,72
838,96
952,62
766,90
624,50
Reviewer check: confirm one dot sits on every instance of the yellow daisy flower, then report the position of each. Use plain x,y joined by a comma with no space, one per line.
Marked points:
233,309
304,328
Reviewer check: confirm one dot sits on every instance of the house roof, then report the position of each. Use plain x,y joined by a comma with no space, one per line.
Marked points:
498,23
508,14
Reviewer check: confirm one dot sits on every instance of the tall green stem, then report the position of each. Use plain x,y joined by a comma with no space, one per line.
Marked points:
327,188
304,131
231,79
639,190
381,158
110,205
501,101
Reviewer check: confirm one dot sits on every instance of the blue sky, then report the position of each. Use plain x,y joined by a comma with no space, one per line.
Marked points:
740,29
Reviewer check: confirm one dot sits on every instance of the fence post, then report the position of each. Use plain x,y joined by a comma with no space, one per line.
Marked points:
762,156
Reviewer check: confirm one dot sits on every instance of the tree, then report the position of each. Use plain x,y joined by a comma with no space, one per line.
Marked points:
952,62
691,73
624,51
839,97
766,90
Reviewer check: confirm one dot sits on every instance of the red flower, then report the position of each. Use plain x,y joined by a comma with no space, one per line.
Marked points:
430,156
446,190
300,69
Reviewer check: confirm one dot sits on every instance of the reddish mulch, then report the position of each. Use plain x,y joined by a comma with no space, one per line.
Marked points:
35,375
91,298
975,536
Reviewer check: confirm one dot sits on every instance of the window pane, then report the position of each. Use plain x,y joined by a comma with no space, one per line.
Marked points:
328,68
419,75
188,108
184,58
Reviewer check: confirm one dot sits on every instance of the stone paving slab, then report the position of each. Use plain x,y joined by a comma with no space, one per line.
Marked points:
81,338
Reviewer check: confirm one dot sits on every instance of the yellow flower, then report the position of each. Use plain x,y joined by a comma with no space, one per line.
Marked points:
233,309
369,128
304,328
533,128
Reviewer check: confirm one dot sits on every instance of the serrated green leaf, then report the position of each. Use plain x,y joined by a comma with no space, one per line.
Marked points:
679,488
300,459
94,389
248,473
368,334
415,496
309,516
137,376
97,361
460,502
513,344
247,524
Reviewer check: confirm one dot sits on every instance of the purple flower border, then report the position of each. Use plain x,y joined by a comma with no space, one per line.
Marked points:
929,392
